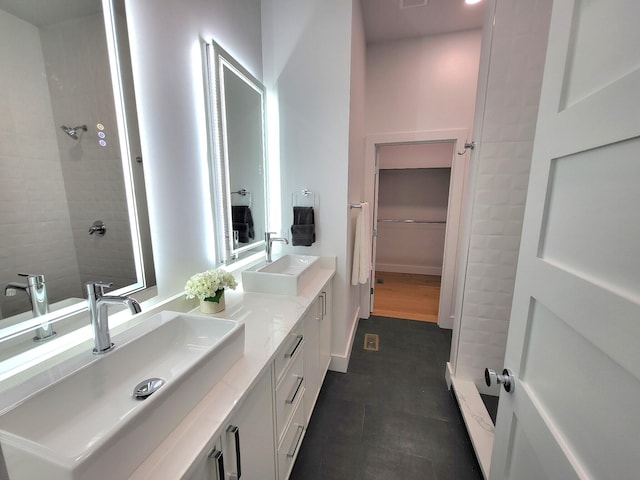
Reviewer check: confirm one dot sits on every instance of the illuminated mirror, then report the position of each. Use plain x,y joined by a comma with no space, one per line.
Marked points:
72,185
238,158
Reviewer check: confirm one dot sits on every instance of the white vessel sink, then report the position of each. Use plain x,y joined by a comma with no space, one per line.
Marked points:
288,275
88,425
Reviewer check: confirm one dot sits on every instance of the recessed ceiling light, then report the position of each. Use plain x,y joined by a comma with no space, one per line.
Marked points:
472,2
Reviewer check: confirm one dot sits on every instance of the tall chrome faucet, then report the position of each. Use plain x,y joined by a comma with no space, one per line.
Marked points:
268,243
36,290
98,311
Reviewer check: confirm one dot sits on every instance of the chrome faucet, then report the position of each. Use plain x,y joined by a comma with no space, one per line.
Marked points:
98,311
36,290
268,243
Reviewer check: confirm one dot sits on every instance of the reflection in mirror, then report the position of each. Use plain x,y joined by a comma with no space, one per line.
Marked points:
238,160
73,205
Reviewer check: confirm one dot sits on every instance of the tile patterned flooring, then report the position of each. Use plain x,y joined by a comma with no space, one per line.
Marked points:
391,416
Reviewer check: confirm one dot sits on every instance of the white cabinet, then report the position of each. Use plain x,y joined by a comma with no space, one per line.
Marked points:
248,442
317,351
262,438
244,448
288,391
289,400
291,440
212,468
311,324
325,331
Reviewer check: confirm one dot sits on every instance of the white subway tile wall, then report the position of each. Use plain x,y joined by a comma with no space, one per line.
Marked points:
52,187
513,91
34,215
77,65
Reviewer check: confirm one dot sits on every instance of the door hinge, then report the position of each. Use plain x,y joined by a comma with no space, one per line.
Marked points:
371,291
374,233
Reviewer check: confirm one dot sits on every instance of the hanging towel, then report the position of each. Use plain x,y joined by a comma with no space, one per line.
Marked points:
303,230
362,247
242,221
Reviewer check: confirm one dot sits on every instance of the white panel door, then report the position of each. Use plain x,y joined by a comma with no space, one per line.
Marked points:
574,338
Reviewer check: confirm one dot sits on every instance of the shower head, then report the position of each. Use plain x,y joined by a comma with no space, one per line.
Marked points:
73,131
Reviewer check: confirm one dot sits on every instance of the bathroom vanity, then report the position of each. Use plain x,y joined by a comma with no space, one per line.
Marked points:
240,413
252,423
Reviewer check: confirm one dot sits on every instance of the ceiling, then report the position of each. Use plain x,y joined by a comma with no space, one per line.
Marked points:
50,12
385,21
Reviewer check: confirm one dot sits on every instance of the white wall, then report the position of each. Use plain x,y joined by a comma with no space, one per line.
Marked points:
503,157
306,65
357,132
166,41
416,155
415,89
422,84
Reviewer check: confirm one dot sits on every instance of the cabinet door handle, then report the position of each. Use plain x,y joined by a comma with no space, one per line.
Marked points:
294,346
294,445
324,303
235,431
295,390
216,458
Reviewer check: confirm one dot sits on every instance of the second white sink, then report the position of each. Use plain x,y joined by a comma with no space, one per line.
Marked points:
88,425
288,275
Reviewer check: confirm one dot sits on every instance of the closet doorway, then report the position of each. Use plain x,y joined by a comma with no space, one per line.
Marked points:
417,200
412,202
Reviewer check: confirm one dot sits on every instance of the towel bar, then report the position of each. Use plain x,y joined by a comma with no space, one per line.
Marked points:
306,194
243,192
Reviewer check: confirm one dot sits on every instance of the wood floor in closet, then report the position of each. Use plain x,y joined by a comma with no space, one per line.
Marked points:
405,295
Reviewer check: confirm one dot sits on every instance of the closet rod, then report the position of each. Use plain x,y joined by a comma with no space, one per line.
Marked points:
388,220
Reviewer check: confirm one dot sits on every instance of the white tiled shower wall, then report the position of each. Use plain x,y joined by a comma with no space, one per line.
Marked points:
505,147
59,75
34,222
77,66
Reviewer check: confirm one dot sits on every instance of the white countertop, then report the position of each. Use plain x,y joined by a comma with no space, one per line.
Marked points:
268,321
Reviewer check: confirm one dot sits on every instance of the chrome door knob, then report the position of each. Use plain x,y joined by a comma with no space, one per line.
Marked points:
507,380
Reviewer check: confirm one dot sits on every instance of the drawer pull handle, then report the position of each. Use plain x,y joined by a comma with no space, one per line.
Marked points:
294,346
294,445
295,390
218,464
324,304
235,431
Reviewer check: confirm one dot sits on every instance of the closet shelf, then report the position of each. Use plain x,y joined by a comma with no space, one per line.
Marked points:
394,220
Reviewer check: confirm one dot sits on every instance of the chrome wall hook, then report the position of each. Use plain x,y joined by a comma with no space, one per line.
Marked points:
467,146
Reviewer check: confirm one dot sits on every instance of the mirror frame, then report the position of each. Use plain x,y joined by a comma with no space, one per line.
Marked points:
216,60
122,123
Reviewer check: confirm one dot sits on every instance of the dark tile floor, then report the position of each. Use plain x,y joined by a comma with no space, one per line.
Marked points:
391,416
491,404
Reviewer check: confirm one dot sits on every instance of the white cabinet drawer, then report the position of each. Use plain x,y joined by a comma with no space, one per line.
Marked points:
289,391
288,350
291,441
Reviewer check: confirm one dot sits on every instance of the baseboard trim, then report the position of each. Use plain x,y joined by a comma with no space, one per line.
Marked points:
476,418
340,362
412,269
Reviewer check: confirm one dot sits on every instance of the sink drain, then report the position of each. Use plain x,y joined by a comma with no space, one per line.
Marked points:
147,387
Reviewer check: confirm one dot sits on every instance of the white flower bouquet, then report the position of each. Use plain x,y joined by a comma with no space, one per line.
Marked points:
209,286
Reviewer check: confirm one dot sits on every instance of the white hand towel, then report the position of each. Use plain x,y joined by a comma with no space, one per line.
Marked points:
362,247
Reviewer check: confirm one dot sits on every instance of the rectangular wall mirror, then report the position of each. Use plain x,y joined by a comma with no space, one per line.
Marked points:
237,159
73,203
